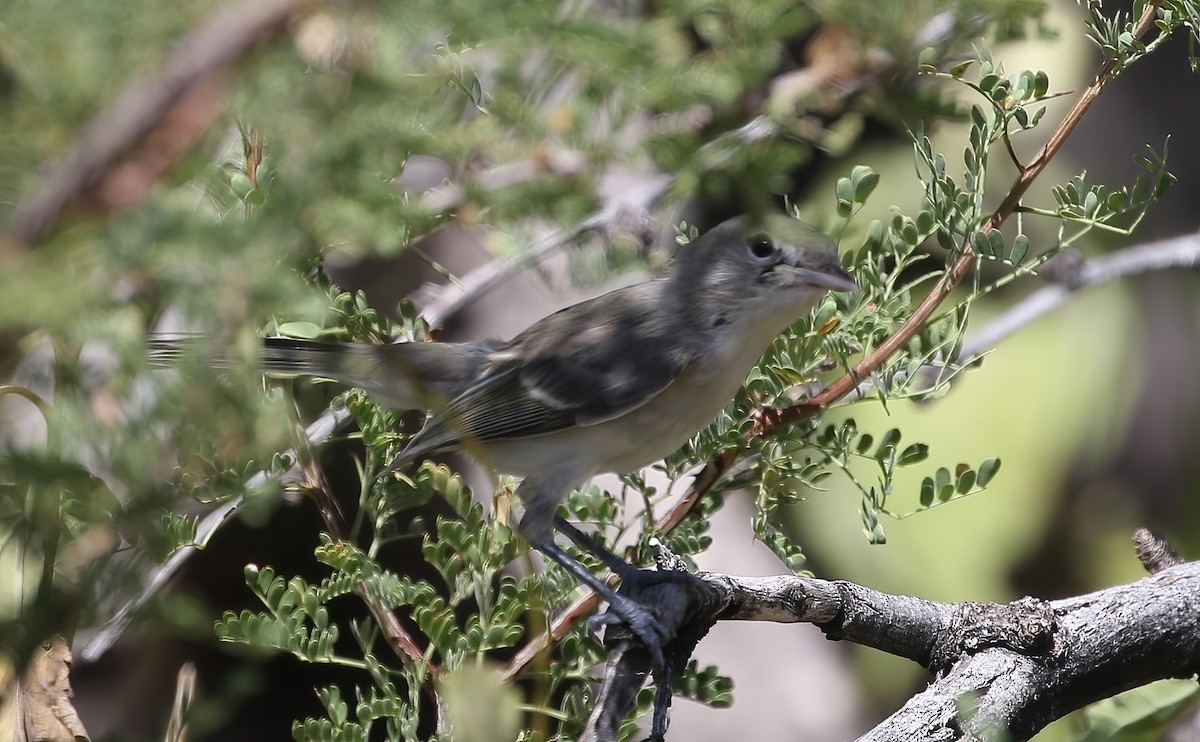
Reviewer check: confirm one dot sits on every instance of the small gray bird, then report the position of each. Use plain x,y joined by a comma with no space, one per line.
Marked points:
606,385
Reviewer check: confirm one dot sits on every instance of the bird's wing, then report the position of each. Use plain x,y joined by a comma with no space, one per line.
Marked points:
591,362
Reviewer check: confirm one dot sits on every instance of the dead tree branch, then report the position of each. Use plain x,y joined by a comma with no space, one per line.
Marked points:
1001,671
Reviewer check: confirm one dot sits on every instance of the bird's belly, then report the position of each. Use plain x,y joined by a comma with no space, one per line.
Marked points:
640,437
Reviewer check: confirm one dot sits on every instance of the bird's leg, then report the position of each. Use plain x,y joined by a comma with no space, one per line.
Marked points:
630,574
619,566
541,496
660,717
639,618
678,649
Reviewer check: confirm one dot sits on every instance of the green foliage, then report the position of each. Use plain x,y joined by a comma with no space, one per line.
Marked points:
1138,715
1095,205
854,191
704,685
309,165
179,530
1116,33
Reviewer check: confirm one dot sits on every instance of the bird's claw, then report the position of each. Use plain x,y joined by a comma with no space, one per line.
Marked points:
640,622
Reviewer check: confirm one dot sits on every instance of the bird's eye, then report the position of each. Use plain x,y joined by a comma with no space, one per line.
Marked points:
761,245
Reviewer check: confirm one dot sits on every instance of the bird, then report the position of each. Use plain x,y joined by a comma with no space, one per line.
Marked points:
610,384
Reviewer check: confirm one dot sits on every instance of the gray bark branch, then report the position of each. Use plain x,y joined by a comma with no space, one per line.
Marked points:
1001,671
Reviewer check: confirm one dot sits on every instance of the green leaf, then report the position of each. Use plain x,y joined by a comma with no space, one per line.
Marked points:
259,579
960,69
864,443
945,487
706,686
845,197
1024,86
874,232
1139,715
1164,181
987,470
995,240
864,180
925,222
1041,84
300,329
966,481
1118,201
240,184
928,491
913,454
978,118
976,137
981,244
1141,190
887,444
1019,249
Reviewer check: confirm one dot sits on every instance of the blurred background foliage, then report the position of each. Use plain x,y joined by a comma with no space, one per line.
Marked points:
363,127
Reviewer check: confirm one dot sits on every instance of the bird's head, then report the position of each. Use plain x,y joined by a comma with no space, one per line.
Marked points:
771,269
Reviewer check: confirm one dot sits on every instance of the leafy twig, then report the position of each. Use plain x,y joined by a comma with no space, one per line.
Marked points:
150,104
773,420
1176,252
335,522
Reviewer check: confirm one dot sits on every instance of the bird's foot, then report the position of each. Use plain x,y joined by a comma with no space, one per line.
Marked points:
643,600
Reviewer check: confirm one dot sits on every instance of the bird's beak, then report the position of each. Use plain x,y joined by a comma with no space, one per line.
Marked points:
834,279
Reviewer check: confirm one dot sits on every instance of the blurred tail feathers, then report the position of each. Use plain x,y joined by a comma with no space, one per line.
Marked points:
399,375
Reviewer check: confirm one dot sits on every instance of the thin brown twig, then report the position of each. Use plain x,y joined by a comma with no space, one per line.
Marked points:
393,632
1069,123
317,486
1012,153
27,393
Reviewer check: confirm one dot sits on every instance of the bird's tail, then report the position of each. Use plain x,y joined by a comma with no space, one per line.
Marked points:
308,358
279,355
400,375
166,351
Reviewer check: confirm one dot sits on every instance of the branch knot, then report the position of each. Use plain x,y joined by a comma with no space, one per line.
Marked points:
1026,626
